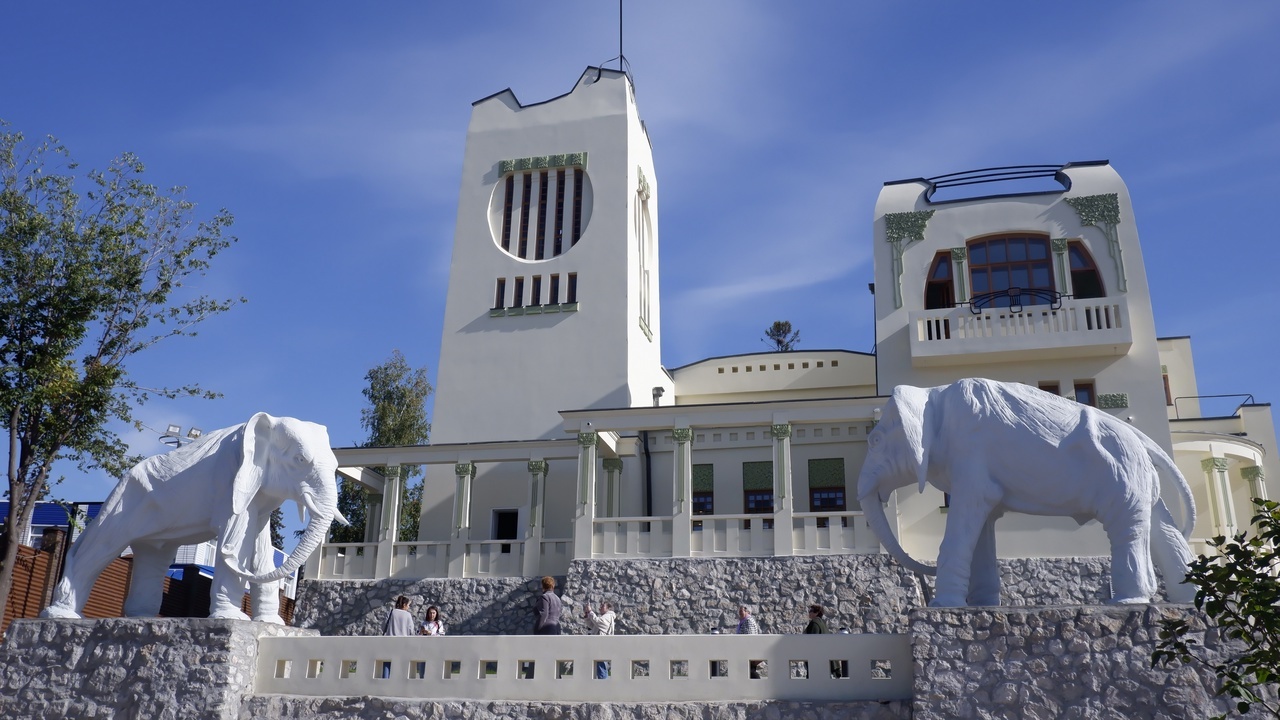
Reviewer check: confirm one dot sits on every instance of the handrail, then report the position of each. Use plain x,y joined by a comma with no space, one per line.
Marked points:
1248,401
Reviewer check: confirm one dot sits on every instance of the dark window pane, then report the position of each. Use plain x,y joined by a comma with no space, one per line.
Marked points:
1019,277
980,283
1037,249
1017,249
1040,277
995,248
1078,261
942,268
978,254
999,279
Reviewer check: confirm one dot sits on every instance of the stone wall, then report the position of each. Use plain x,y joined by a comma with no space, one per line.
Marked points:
865,593
367,708
1063,662
129,667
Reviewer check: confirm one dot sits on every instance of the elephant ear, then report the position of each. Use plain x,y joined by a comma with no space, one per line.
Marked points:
253,462
917,426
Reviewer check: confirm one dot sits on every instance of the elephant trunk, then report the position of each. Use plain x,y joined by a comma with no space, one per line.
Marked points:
873,511
323,511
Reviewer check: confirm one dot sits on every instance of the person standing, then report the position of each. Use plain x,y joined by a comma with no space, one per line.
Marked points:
546,613
399,622
816,626
431,623
602,624
747,625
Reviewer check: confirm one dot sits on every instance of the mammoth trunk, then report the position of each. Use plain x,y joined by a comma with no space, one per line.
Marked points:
873,511
320,518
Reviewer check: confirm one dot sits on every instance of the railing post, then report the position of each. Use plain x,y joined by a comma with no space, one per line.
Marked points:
464,473
533,534
682,503
390,521
583,523
783,536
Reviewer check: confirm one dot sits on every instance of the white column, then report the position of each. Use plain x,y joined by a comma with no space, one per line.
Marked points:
612,474
464,473
533,534
390,526
1224,512
783,537
682,503
1256,478
583,525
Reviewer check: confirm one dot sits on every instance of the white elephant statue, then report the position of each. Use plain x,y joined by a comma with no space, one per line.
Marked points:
997,447
225,486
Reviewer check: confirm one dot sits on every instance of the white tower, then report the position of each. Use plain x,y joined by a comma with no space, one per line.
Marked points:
553,286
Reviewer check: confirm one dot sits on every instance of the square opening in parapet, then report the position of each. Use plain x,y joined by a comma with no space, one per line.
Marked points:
799,669
881,670
488,669
452,668
347,669
314,668
679,669
564,669
639,668
526,670
284,668
719,668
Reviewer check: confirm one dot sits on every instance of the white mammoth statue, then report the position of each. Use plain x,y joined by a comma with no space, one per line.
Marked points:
999,447
223,486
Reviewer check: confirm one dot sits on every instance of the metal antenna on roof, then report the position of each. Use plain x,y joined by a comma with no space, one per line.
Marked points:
621,58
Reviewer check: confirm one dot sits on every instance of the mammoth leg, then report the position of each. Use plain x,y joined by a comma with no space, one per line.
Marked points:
264,598
1132,577
1172,555
970,512
984,578
151,561
85,562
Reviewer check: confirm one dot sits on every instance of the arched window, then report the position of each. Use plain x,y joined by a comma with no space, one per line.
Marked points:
1086,281
998,265
939,291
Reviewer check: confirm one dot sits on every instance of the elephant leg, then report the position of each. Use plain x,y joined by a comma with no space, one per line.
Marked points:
984,578
970,512
1132,577
264,598
85,562
151,560
226,595
1171,554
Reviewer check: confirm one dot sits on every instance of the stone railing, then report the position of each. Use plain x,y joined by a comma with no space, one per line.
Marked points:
1098,326
648,668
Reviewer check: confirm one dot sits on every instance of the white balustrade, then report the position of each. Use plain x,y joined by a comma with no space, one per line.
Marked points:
556,554
420,560
742,535
1096,326
348,561
631,537
642,668
827,533
496,558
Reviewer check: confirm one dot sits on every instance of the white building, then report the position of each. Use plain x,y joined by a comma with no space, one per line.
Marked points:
559,435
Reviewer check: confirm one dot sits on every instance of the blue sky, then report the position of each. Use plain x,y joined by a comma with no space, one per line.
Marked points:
334,132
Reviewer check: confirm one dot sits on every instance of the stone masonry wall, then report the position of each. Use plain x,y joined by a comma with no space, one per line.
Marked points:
866,593
366,708
129,667
1059,662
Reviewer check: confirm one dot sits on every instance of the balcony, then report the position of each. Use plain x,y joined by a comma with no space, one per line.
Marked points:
1075,328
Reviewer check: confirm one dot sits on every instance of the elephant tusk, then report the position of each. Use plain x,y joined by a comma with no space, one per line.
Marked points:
338,517
301,517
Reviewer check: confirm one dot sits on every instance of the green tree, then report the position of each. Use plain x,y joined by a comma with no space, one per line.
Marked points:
396,415
87,281
1238,590
277,528
780,336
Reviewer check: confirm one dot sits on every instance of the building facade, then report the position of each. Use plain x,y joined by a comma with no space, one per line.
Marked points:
559,435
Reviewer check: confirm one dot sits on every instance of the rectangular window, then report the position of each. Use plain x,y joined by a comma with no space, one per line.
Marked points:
571,293
500,294
517,296
1050,387
758,502
535,291
506,213
554,291
1084,392
577,207
704,503
757,489
524,215
826,500
540,250
1168,394
559,229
